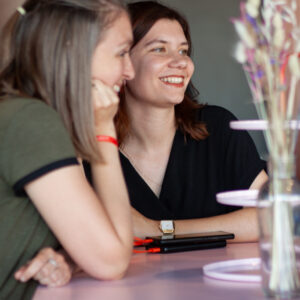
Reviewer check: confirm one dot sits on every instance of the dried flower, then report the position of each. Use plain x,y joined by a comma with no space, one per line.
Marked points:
251,10
265,47
244,34
277,21
240,53
256,3
278,38
270,41
294,65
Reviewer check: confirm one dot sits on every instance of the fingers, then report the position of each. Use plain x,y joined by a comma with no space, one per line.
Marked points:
19,273
44,273
27,271
58,276
48,267
103,95
105,105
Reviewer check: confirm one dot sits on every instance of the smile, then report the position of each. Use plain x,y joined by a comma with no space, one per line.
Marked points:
172,79
177,81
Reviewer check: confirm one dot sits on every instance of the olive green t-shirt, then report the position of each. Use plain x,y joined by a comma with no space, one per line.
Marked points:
33,142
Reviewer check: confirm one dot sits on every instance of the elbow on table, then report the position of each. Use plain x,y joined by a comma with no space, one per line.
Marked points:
112,266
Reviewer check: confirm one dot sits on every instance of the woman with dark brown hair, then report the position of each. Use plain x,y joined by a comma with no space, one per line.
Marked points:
62,65
177,154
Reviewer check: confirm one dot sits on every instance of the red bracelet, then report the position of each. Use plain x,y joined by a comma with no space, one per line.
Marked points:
106,138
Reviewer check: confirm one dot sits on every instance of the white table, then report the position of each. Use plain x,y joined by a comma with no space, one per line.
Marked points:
165,276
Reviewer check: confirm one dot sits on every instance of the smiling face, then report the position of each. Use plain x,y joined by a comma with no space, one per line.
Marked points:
111,62
162,66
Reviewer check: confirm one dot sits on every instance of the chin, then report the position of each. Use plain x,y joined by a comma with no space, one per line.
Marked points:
176,100
173,102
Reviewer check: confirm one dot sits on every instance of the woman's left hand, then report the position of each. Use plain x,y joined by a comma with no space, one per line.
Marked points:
48,267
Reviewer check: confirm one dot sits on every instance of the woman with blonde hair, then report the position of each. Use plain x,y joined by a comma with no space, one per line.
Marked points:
63,64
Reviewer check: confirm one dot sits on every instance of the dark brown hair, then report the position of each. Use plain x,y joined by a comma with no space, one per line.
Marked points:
47,53
143,16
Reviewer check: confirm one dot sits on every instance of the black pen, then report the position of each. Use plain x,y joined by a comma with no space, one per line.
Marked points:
187,247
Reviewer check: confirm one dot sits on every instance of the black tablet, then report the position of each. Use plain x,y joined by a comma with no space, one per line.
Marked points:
195,238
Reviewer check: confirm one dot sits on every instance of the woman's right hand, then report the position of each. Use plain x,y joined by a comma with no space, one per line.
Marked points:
105,105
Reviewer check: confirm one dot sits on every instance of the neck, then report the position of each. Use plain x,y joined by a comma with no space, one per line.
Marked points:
151,128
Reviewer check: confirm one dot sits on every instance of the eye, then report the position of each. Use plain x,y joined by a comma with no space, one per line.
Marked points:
183,52
123,53
158,49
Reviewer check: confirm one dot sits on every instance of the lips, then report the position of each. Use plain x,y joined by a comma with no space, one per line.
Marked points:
173,80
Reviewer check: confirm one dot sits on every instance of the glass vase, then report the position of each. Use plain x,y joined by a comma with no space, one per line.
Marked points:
279,225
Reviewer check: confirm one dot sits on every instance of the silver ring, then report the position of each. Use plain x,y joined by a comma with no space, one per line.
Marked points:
52,262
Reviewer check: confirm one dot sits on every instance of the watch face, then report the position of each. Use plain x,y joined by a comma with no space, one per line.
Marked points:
167,226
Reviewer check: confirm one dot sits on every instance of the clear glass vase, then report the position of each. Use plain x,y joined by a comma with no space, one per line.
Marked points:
279,224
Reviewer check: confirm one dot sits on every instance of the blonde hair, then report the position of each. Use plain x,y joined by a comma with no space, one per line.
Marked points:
47,55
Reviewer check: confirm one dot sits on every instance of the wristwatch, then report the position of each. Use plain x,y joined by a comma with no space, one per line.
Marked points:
167,226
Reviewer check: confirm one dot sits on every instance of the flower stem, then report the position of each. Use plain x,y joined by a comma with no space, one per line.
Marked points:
284,276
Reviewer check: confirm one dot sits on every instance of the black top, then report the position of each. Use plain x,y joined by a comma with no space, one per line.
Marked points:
197,170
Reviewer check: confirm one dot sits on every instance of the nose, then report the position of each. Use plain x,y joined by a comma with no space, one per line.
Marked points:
128,72
178,61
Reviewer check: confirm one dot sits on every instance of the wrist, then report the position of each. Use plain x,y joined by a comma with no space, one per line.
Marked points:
167,226
106,129
107,139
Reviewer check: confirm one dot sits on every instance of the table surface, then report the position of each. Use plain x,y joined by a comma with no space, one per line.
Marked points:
165,276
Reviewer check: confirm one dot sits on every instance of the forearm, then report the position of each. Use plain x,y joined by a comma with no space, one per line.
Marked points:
143,226
111,188
243,223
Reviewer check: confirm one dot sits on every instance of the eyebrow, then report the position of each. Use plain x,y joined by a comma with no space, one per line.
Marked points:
162,42
128,42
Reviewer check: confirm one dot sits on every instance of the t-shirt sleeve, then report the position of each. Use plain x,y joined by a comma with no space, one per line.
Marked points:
241,161
35,143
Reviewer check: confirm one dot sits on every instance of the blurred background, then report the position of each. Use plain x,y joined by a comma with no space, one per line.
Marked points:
7,7
218,77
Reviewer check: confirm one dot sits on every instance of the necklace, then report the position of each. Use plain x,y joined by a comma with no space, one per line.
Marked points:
142,174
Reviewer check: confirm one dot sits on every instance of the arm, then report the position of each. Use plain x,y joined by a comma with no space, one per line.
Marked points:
110,185
243,223
259,181
80,222
86,225
107,175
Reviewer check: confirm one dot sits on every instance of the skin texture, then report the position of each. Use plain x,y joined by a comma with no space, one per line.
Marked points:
94,228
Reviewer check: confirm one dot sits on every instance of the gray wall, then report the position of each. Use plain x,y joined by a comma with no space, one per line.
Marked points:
7,7
218,77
